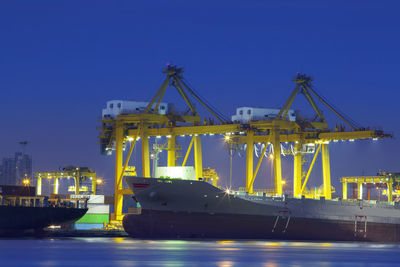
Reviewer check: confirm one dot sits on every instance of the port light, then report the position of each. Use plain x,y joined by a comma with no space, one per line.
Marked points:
99,181
26,182
227,137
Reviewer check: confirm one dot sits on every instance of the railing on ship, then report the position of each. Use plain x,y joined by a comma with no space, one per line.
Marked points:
56,201
259,191
261,194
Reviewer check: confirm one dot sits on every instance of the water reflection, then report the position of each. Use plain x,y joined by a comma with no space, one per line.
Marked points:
133,252
225,264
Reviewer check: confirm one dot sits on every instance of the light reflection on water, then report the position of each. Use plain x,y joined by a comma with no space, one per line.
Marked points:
225,253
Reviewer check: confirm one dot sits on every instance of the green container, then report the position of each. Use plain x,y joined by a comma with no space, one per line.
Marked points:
94,218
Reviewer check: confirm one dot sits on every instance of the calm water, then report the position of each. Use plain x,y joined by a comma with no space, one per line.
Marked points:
129,252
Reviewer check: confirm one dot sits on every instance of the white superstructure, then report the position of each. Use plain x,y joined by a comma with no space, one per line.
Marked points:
246,114
117,107
182,172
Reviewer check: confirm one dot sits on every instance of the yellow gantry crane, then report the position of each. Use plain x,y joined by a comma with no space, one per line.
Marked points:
131,128
390,181
79,174
142,126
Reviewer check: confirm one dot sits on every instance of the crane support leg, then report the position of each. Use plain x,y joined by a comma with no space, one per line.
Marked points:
297,175
390,192
249,162
93,185
77,183
277,163
310,169
326,170
188,151
145,154
344,190
55,186
198,159
39,186
258,167
171,151
118,198
360,190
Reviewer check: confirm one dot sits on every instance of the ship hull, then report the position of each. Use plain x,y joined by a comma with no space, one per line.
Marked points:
194,209
19,218
183,225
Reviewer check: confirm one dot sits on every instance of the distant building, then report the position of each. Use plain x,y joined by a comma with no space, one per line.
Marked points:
14,169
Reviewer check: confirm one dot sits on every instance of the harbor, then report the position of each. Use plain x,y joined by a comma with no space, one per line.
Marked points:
199,133
144,204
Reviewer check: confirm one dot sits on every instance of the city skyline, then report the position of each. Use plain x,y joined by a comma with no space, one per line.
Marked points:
13,170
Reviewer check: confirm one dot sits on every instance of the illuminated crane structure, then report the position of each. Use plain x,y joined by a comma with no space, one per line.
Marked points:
301,134
79,174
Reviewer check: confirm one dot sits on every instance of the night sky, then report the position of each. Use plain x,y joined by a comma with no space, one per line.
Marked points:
60,61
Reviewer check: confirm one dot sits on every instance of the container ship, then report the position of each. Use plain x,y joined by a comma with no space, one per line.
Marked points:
179,209
21,210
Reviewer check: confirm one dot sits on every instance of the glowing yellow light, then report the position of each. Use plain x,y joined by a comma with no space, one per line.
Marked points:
283,182
271,156
99,181
226,241
227,137
26,182
118,239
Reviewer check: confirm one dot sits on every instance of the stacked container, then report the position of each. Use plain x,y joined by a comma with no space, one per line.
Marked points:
97,215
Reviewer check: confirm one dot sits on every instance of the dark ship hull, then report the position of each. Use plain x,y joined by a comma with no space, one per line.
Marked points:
181,225
19,218
193,209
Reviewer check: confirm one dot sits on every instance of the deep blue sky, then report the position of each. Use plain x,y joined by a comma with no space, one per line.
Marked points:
60,61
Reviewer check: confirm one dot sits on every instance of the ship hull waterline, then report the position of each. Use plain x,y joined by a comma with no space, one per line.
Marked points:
180,225
184,209
17,219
